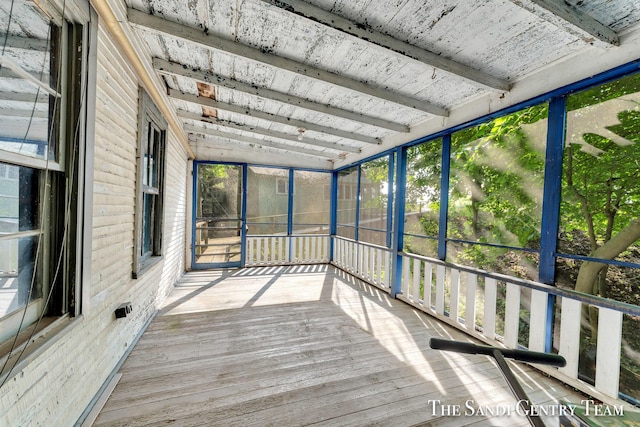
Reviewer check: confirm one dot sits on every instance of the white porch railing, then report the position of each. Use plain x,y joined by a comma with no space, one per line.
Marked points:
280,250
369,262
468,299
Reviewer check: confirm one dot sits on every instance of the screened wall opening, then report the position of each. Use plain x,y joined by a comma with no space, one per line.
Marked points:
487,209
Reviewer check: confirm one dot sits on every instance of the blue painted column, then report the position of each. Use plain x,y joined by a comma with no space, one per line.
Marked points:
333,213
551,205
243,215
398,221
358,189
390,181
290,212
444,196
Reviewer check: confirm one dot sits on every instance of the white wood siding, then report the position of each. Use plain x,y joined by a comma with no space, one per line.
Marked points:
56,387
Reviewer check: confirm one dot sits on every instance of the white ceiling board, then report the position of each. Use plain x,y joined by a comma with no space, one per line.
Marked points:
534,51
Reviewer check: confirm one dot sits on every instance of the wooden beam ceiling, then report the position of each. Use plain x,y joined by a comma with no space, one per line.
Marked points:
331,154
208,102
26,43
363,32
175,69
194,35
571,20
269,133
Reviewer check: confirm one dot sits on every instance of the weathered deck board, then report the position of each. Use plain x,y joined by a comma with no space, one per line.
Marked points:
303,345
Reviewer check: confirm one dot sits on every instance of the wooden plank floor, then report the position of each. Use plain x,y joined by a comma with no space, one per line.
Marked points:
305,345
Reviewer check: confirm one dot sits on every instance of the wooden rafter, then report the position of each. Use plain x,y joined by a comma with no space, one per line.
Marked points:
367,34
194,35
172,68
259,142
176,94
269,133
571,20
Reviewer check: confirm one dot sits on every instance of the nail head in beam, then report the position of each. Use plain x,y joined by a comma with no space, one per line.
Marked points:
172,68
194,35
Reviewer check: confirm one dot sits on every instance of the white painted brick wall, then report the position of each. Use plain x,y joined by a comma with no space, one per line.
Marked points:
54,389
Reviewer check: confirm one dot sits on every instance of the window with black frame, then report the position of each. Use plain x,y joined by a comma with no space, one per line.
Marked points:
149,203
42,67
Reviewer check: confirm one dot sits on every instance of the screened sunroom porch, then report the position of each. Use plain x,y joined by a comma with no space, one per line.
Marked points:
472,162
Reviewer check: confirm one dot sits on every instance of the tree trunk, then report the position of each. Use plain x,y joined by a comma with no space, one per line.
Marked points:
589,270
588,280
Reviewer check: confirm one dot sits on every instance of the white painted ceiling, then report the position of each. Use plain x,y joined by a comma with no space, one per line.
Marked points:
324,83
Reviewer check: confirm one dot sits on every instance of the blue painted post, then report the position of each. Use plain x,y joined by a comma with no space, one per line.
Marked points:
333,213
551,204
243,215
390,198
290,212
194,211
398,229
358,189
444,196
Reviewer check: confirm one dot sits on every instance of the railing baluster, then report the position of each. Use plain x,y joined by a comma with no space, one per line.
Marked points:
405,286
608,352
570,335
490,295
415,290
538,320
249,260
379,267
454,290
470,309
440,273
428,284
512,316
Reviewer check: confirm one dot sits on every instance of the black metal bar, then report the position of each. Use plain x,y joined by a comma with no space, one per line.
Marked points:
499,355
520,355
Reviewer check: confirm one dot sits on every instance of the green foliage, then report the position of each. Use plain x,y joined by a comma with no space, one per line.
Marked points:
601,194
496,179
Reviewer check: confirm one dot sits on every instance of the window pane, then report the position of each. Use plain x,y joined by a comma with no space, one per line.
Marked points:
267,207
422,200
16,272
27,108
310,205
19,199
147,226
374,192
347,197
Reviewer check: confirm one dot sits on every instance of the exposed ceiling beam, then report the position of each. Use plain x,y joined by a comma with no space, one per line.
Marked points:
23,96
365,33
24,113
27,43
267,132
208,102
172,68
211,41
571,20
260,142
